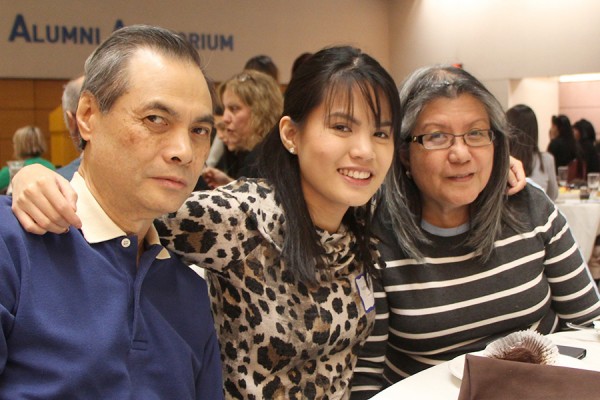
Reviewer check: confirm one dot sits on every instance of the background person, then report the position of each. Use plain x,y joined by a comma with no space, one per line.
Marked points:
467,264
300,60
264,64
70,99
565,148
28,145
586,137
252,104
539,167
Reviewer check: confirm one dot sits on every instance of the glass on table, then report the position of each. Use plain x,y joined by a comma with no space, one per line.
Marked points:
593,183
563,176
14,166
584,193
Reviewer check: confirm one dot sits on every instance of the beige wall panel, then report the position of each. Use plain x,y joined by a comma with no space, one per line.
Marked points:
580,94
496,39
6,150
48,93
41,121
11,120
16,94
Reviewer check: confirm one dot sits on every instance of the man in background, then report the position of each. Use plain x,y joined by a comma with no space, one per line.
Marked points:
106,312
70,98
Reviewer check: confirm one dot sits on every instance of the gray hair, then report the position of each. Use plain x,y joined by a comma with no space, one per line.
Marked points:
402,197
106,72
70,96
70,100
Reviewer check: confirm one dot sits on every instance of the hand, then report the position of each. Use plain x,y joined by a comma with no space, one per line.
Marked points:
43,201
215,177
516,177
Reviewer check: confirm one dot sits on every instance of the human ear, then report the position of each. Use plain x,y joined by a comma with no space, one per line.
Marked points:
87,114
287,133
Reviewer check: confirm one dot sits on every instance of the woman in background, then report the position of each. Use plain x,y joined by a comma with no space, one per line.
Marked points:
586,137
539,167
565,148
28,145
252,104
465,264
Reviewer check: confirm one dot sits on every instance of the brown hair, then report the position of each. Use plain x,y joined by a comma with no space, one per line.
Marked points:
29,142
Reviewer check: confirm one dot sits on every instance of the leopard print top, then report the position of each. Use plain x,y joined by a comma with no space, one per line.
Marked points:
279,339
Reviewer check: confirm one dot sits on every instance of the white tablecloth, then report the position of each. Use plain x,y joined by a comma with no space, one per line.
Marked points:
584,220
438,383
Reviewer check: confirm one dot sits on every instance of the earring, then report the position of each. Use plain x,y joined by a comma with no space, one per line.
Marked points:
408,174
292,150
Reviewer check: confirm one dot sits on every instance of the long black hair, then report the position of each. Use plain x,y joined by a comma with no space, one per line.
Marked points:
524,141
328,74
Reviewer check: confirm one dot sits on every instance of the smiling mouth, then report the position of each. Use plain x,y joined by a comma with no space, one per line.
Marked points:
461,176
355,174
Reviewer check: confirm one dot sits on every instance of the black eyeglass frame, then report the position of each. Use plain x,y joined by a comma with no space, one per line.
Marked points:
419,138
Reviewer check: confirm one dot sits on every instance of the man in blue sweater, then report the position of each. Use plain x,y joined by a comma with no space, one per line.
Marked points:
105,312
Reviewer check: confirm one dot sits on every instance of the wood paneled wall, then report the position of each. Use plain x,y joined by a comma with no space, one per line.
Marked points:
28,102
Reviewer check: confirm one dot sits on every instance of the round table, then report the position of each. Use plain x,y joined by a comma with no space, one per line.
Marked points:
583,218
438,383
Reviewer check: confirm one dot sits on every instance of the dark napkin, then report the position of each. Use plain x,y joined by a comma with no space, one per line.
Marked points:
493,379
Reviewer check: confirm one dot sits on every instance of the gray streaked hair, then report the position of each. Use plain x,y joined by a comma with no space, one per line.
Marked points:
403,198
106,72
70,101
70,97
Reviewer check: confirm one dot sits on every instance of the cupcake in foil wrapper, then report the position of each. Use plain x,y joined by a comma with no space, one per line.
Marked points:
524,346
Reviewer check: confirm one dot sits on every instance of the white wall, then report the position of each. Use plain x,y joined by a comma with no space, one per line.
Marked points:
496,39
280,28
581,100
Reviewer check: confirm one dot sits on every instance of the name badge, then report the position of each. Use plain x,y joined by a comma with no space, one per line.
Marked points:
365,293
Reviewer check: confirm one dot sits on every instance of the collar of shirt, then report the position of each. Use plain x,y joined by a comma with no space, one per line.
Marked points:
97,226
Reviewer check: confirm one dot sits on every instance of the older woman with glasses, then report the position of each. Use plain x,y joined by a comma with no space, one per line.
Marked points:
467,264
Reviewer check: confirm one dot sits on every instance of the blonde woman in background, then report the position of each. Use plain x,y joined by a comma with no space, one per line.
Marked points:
252,105
29,145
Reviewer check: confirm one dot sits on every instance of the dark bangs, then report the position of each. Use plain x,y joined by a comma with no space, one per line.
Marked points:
376,94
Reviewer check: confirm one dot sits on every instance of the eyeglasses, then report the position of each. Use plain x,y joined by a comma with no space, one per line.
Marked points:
441,140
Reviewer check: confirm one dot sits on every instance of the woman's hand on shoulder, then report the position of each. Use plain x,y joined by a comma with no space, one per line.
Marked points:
516,177
215,177
43,201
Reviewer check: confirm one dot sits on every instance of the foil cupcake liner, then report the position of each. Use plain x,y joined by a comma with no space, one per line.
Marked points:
524,346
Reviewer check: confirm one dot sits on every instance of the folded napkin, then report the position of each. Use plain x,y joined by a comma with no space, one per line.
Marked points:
493,379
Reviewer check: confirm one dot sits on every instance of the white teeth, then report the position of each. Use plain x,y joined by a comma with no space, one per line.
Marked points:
355,174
